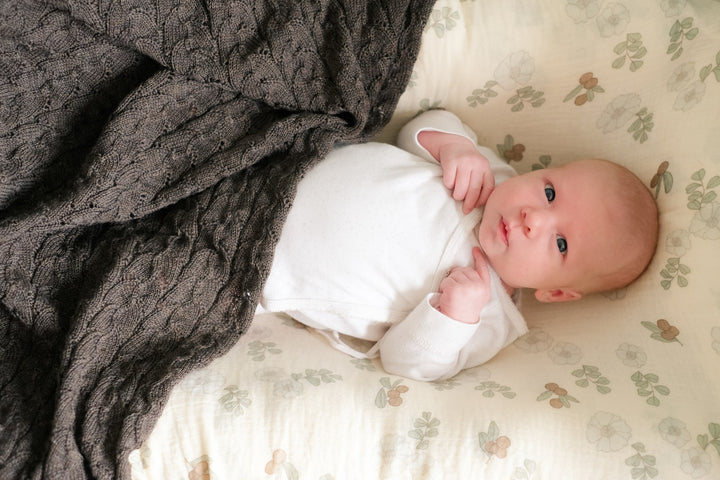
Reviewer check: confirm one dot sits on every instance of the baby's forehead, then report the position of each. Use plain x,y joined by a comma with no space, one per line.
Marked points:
594,167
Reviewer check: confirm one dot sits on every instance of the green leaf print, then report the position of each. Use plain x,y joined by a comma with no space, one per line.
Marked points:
490,388
713,439
643,466
443,20
447,384
235,400
526,95
630,51
425,105
642,125
590,374
710,68
258,349
544,160
480,96
646,385
679,32
425,428
363,364
317,377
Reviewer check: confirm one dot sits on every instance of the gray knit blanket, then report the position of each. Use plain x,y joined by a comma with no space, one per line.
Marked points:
149,153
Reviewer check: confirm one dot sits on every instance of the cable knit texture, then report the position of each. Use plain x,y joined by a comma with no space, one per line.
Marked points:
149,153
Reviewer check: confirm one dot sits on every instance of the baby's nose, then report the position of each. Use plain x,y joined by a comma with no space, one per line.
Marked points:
532,221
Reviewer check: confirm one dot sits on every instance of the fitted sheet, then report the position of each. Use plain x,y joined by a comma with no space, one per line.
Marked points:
617,385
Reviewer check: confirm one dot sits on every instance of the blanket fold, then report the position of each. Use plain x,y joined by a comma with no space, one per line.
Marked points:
149,153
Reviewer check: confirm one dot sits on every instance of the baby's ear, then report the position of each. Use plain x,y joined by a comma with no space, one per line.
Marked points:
557,295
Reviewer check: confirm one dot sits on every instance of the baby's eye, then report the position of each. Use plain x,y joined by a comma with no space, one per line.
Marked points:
549,192
562,244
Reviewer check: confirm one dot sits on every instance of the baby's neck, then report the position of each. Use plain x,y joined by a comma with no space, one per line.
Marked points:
510,290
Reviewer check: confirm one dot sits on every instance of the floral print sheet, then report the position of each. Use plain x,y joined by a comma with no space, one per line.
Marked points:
624,385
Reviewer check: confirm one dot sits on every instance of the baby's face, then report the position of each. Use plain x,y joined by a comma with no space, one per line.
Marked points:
550,229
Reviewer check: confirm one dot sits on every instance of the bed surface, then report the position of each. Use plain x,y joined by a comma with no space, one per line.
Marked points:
623,385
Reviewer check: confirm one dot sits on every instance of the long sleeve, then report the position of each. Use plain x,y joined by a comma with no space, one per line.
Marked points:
432,120
447,122
426,344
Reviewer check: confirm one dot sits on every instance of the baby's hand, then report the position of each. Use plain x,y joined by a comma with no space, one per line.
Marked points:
465,170
465,291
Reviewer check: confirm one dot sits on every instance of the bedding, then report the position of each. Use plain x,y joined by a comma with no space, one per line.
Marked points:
622,385
149,153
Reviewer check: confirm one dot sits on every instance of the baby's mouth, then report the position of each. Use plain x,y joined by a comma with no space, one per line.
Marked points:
503,231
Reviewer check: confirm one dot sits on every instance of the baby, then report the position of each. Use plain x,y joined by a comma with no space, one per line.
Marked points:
423,249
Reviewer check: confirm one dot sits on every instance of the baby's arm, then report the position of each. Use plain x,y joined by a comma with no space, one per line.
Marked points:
465,170
427,344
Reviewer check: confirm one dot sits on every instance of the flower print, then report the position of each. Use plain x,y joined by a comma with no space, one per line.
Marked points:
618,112
613,20
201,469
492,443
667,332
677,243
681,76
564,353
672,8
562,399
288,388
715,334
390,393
674,431
394,398
690,96
589,82
695,462
631,355
536,340
279,457
609,432
516,69
498,447
706,223
582,10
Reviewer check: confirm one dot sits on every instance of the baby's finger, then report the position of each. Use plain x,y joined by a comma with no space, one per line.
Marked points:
487,188
462,180
449,176
473,194
464,274
481,265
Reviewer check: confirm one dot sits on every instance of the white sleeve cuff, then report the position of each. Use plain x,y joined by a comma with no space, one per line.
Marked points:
425,345
432,120
435,333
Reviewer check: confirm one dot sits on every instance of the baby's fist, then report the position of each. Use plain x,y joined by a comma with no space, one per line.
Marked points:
465,291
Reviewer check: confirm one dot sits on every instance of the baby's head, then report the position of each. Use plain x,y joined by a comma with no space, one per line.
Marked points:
586,227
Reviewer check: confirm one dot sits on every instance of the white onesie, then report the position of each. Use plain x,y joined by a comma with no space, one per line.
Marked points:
370,235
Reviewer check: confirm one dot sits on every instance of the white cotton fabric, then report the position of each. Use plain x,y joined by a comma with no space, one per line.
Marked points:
371,234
